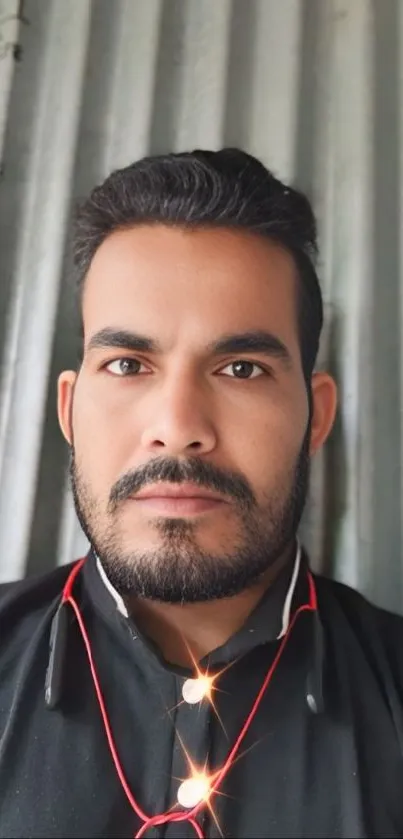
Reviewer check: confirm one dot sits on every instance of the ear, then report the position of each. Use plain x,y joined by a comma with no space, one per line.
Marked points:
324,407
65,393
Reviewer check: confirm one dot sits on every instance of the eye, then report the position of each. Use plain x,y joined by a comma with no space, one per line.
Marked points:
245,369
123,367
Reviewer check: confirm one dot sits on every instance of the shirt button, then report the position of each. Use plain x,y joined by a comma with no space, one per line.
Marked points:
194,690
192,791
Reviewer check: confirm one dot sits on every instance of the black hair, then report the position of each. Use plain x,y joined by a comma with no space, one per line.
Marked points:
227,188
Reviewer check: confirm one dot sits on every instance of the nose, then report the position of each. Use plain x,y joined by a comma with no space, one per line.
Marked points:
180,422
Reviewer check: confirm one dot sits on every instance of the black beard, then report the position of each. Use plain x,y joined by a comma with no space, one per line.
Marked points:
179,571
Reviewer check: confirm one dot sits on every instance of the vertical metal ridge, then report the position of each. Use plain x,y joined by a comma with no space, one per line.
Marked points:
9,29
35,292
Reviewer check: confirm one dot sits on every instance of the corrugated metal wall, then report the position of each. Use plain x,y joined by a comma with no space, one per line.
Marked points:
315,88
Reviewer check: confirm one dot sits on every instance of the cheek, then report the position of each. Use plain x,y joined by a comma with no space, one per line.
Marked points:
268,448
269,458
101,441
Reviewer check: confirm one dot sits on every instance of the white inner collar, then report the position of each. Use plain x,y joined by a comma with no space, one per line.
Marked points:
117,598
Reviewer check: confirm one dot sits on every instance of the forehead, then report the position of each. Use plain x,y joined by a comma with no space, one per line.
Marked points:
196,284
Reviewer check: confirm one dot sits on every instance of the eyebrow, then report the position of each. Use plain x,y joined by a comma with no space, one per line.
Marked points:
254,341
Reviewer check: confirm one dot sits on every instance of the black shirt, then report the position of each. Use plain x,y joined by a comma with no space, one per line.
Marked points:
336,773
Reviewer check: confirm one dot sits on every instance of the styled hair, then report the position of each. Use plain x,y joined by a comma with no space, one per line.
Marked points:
227,188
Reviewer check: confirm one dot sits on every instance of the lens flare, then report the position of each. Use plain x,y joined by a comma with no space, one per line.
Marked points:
204,684
200,785
194,790
196,689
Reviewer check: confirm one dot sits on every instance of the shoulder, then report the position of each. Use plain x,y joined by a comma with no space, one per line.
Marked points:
27,608
377,631
25,603
355,606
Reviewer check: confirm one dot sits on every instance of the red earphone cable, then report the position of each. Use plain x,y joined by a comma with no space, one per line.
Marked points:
101,703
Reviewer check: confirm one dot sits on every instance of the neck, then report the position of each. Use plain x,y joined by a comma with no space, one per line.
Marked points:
186,633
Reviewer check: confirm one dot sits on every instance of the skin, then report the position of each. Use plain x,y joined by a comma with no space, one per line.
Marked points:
187,289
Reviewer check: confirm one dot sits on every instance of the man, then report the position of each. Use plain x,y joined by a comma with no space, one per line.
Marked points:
192,677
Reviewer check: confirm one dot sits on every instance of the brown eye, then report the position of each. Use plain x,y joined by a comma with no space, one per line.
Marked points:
123,367
245,369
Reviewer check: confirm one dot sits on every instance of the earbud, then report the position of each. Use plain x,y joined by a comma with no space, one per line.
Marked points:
314,682
57,656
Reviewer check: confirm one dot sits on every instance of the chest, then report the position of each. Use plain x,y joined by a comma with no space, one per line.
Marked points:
287,772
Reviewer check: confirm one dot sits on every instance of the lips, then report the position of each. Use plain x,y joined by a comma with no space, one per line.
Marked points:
177,491
177,500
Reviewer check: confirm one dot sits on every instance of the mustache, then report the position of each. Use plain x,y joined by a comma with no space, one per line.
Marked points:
173,471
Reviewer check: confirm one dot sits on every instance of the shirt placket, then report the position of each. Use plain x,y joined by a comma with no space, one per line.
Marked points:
191,720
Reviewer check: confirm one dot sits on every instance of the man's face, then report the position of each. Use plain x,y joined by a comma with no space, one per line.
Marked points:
233,421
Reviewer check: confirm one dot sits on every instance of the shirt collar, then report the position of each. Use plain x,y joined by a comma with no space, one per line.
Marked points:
268,621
